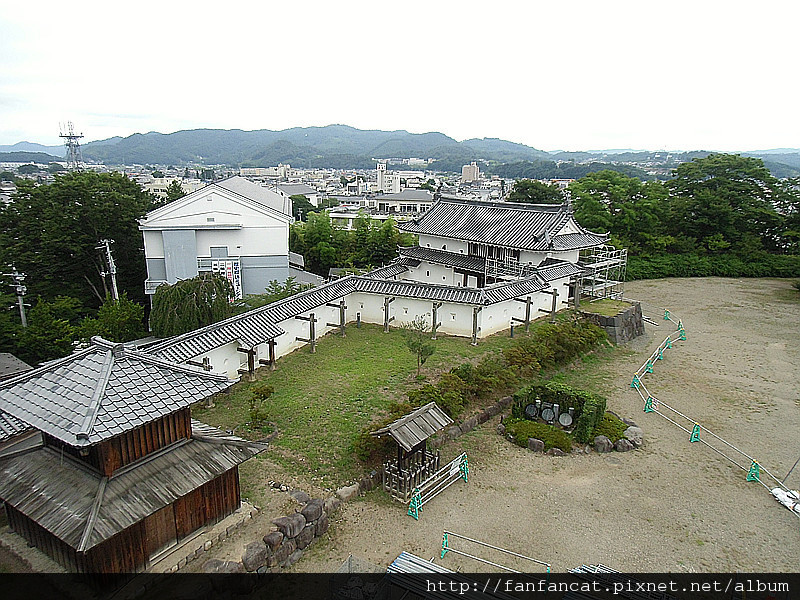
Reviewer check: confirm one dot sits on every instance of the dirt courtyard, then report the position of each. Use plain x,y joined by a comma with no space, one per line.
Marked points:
670,506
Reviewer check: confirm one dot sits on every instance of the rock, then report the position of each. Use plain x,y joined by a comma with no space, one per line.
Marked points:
602,444
292,525
305,537
453,432
587,449
281,553
628,422
322,525
255,556
483,417
366,483
555,452
216,565
331,505
347,493
493,410
535,445
313,510
505,402
623,445
501,429
273,540
300,496
635,435
469,425
293,558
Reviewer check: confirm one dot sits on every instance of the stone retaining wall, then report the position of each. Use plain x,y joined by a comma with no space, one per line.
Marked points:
622,327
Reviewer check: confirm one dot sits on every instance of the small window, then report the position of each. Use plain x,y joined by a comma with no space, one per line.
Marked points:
444,277
427,273
210,219
444,246
405,310
361,305
452,316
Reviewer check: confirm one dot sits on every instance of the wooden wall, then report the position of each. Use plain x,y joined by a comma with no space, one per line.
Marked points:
110,455
130,550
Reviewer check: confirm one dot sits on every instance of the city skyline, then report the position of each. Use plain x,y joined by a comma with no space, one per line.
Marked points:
584,76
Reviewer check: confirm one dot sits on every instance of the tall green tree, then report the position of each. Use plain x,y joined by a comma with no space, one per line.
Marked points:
119,320
535,192
50,233
49,334
191,304
727,202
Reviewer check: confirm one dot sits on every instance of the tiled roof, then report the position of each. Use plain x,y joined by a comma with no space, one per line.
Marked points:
11,426
578,241
59,494
11,365
394,268
257,193
443,257
417,426
103,391
551,269
512,225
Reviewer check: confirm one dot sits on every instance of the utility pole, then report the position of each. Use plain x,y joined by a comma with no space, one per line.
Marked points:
105,247
20,290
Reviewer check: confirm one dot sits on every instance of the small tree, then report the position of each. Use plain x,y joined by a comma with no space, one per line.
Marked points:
418,340
261,392
175,191
117,321
191,304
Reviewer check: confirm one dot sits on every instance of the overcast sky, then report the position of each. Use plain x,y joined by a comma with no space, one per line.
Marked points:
573,75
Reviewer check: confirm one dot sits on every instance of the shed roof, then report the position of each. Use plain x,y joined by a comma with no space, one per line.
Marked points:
417,426
103,391
82,508
533,227
475,264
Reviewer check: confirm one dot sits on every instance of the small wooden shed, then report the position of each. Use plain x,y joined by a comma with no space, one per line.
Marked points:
120,472
414,463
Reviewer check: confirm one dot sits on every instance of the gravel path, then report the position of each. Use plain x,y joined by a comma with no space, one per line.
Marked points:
671,506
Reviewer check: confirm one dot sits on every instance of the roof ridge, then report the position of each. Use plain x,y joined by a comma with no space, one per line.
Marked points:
98,501
47,367
97,396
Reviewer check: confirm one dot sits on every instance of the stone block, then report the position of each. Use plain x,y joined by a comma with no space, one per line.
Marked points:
347,493
635,436
623,445
273,539
216,565
602,444
300,496
322,525
305,537
556,452
331,505
254,556
293,558
313,510
290,526
535,445
281,553
469,425
501,429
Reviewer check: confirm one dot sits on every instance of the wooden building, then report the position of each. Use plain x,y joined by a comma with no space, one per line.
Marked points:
120,471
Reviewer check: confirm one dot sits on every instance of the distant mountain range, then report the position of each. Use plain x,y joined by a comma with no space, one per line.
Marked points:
344,147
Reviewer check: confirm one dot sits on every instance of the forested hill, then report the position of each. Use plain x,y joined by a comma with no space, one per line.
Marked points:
336,146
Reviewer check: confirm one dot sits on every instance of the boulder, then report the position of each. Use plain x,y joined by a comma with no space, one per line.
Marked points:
535,445
312,510
634,435
602,444
501,429
273,540
305,537
293,558
483,417
216,565
623,445
506,401
322,525
555,452
281,553
300,496
469,425
453,432
493,410
292,525
347,493
255,555
331,504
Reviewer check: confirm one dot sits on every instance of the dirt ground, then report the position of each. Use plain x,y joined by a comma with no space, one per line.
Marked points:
670,506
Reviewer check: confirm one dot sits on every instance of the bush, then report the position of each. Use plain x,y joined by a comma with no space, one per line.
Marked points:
552,345
448,395
521,430
369,448
553,392
592,414
720,265
259,415
611,427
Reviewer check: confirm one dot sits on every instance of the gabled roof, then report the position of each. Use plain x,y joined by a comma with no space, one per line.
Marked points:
103,391
239,189
551,269
83,508
417,426
475,264
532,227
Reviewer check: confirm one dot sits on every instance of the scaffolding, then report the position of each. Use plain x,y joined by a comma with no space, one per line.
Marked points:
603,272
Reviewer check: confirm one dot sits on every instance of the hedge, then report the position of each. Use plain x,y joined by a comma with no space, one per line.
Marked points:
521,429
721,265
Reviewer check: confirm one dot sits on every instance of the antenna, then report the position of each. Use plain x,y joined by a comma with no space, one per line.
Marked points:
74,158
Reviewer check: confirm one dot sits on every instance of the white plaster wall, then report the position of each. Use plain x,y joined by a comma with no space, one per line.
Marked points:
431,273
153,244
262,237
457,246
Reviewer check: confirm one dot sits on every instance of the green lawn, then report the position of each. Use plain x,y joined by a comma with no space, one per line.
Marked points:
606,307
323,400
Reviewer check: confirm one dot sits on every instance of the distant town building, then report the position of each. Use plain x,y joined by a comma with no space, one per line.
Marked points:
158,185
387,183
470,172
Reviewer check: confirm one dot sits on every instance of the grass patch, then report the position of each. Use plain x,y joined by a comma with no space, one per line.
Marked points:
322,401
521,430
606,307
611,427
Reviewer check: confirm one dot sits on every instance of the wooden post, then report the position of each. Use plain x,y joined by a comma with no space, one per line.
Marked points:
251,362
342,307
527,314
271,361
435,325
577,293
312,331
386,320
475,311
555,306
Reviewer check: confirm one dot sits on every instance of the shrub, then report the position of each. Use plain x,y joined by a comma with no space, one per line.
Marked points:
549,391
448,395
259,415
521,430
552,345
592,414
369,448
611,427
719,265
